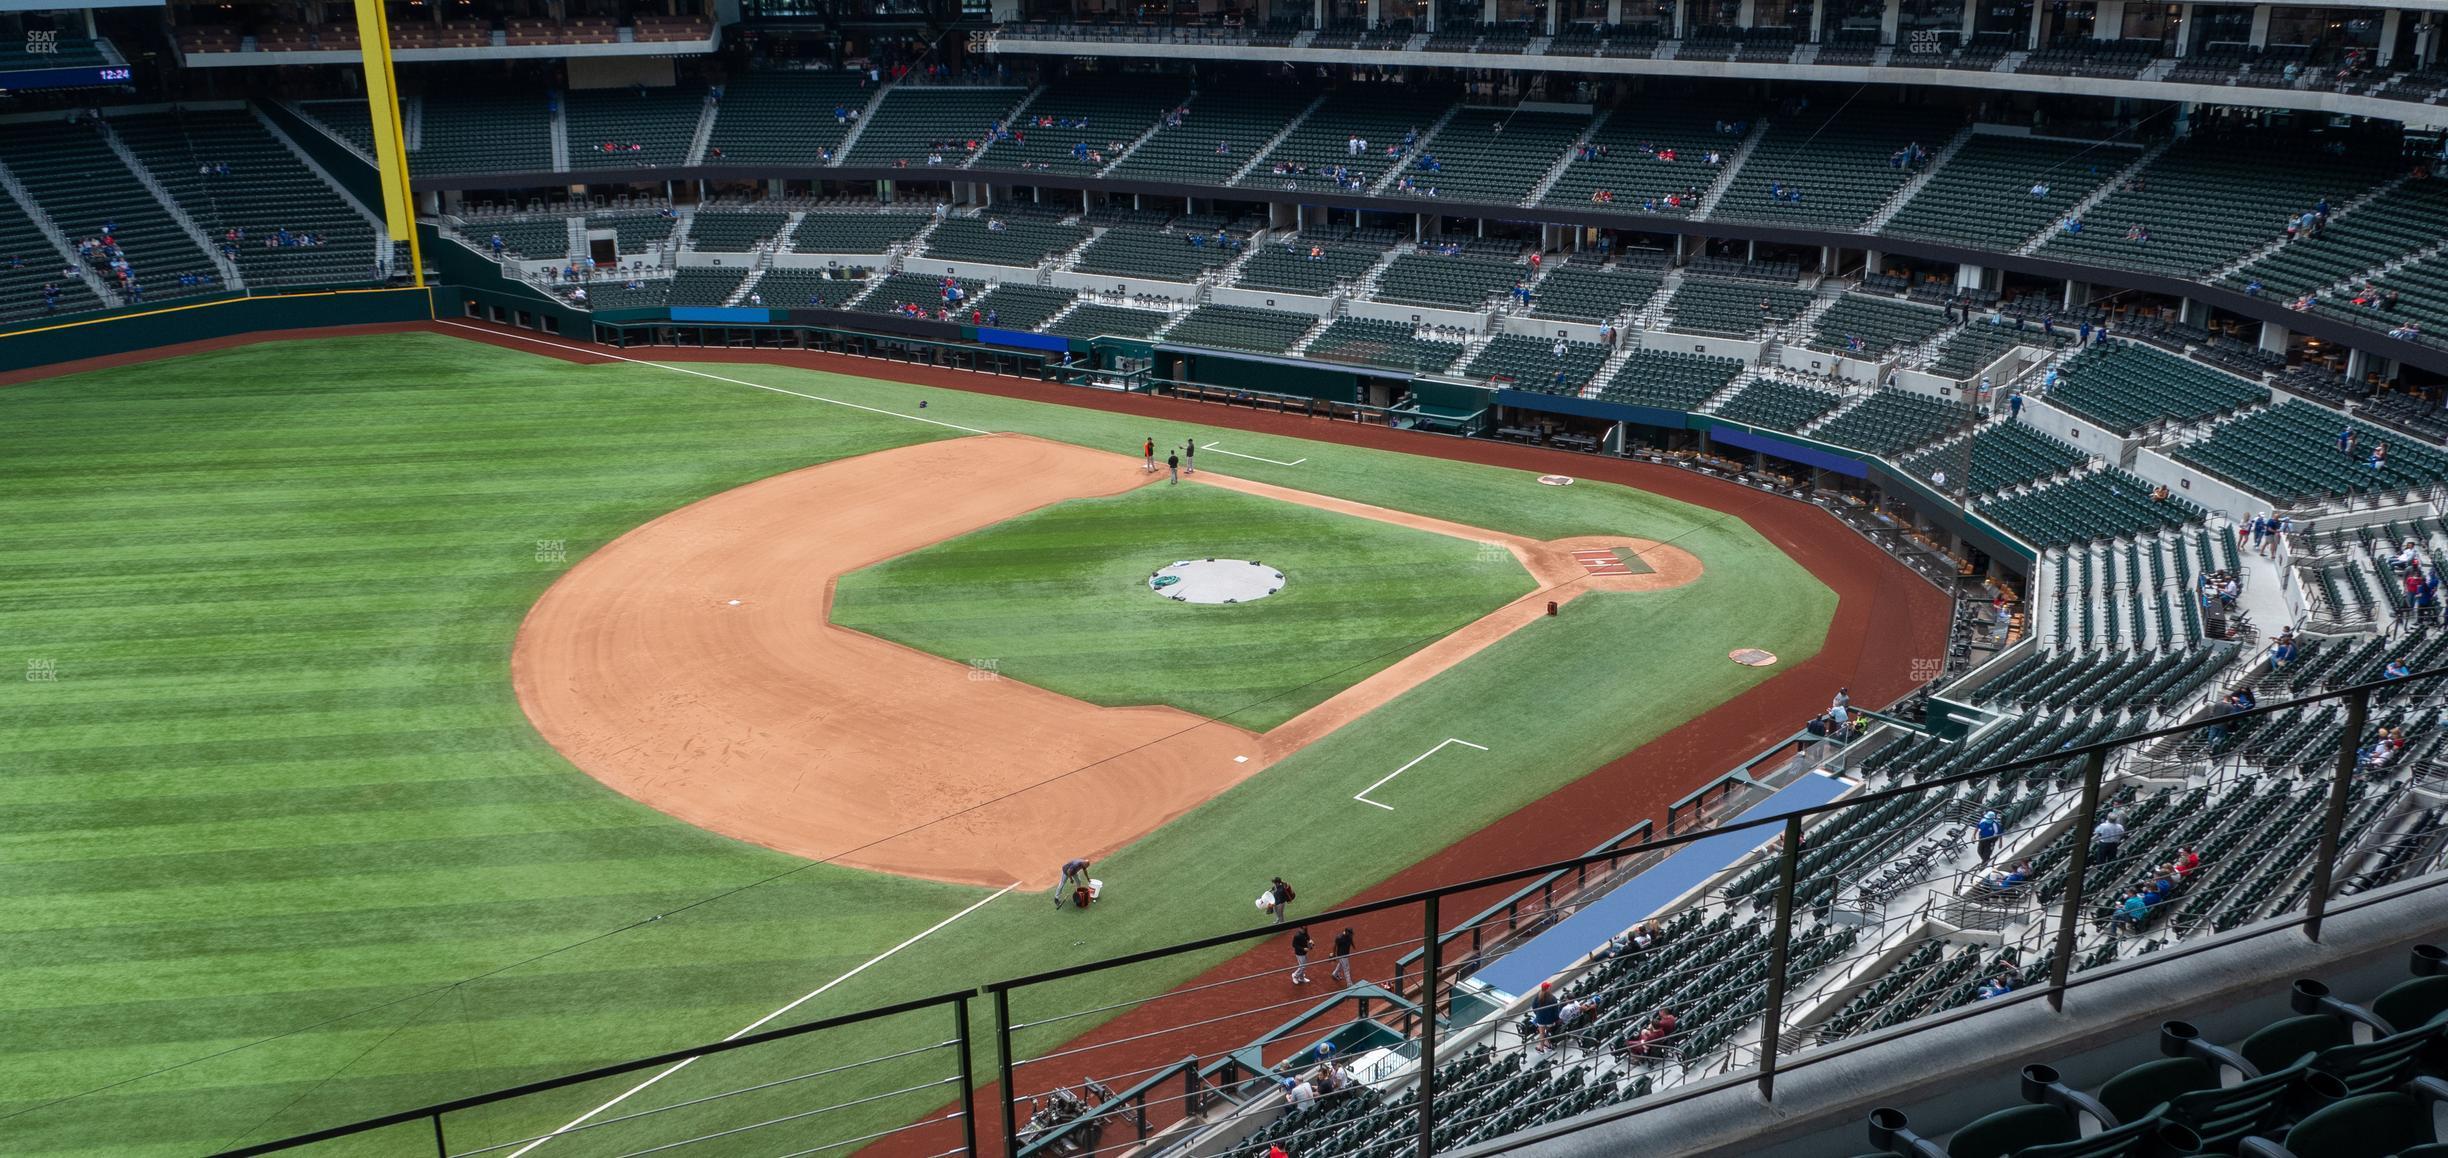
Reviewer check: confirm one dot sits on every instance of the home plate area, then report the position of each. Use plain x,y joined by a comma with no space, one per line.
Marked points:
1611,561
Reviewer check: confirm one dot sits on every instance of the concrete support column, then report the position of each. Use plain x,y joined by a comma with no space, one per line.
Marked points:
2390,23
1969,276
1743,15
2357,363
1888,21
1372,13
1751,251
2259,36
1614,11
2184,29
2031,39
2193,313
2274,337
2111,22
2074,294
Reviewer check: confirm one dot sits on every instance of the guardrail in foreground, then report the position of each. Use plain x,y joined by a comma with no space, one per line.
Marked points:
864,1080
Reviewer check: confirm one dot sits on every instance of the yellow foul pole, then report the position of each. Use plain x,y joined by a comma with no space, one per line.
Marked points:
390,141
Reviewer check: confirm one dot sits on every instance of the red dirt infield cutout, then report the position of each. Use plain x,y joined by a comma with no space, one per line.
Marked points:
692,665
1887,619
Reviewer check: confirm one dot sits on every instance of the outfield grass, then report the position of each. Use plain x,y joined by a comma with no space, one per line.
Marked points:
278,836
1059,599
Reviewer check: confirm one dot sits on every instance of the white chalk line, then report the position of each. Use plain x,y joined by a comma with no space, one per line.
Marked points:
761,1022
1255,458
1362,795
717,378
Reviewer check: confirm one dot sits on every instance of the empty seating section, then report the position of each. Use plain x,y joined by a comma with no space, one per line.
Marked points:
82,185
725,231
1776,405
1308,266
1074,125
1874,325
2374,1050
626,128
1377,116
1983,195
536,238
1219,135
267,189
1591,293
1669,379
472,134
633,233
1893,421
2128,387
705,287
1536,364
2422,289
1707,306
1092,320
910,125
2173,197
1373,342
1492,156
1649,153
27,264
2289,452
1460,283
1000,242
805,289
1842,170
924,290
1241,328
854,232
347,120
1024,307
2104,504
782,117
1150,253
2389,226
1978,346
2002,455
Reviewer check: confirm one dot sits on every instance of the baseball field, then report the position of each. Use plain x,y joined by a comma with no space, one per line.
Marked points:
407,715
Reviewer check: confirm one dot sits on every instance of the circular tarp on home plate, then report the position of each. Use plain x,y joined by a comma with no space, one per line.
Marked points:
1216,581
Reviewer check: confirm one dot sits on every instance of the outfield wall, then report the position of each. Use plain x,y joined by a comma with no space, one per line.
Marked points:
135,330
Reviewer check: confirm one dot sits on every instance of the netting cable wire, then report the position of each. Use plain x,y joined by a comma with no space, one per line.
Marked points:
344,1067
1205,986
716,1097
863,1138
820,1110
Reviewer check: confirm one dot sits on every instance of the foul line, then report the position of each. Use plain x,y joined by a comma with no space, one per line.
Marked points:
1255,458
718,378
1362,795
761,1022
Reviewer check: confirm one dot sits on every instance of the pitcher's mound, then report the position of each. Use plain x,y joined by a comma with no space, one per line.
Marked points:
1216,581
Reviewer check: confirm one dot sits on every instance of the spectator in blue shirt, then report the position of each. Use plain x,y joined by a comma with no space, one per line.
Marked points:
1988,832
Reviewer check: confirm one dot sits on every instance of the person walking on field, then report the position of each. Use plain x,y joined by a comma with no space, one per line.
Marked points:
1173,465
1342,956
1300,954
1149,452
1282,894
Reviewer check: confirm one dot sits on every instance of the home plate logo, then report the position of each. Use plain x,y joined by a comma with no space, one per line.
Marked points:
1751,657
1602,561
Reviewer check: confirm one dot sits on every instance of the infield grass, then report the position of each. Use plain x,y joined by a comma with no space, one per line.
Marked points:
1060,599
281,851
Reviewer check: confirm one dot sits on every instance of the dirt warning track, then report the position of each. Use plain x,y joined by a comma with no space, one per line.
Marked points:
692,665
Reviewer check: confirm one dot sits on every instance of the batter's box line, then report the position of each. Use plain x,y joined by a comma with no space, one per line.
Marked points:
1363,795
1255,458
